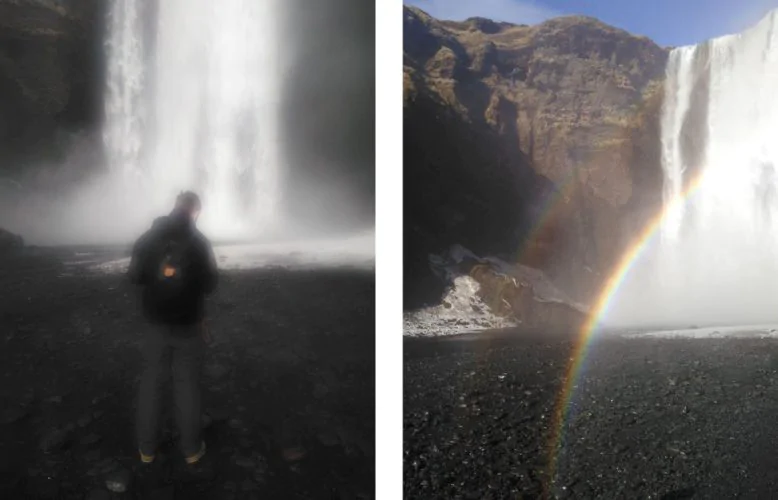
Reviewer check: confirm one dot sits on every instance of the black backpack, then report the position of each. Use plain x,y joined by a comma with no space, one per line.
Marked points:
171,272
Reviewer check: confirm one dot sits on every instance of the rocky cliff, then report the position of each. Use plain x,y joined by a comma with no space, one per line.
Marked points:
49,75
537,144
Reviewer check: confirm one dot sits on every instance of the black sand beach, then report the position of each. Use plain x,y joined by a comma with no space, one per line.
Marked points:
650,417
289,383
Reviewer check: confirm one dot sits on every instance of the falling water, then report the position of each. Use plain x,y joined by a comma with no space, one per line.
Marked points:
194,106
676,105
124,104
717,258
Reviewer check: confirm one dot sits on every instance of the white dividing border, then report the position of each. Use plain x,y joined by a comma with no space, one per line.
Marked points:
389,323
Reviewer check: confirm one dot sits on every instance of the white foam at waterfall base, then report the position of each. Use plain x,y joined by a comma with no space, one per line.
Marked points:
717,259
461,311
352,252
741,332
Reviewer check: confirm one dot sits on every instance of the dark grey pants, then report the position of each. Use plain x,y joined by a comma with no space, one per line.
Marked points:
178,350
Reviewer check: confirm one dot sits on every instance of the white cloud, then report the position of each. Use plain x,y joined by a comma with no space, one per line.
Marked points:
513,11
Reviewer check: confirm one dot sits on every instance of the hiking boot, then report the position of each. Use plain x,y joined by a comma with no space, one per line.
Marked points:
199,467
193,459
146,459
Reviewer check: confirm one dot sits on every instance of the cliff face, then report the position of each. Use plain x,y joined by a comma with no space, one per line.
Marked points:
535,143
49,75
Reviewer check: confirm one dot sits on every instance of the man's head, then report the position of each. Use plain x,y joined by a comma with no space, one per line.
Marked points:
189,203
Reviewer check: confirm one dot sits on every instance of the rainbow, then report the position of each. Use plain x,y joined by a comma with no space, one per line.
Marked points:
601,305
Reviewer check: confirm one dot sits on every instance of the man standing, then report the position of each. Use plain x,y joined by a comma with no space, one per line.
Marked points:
175,266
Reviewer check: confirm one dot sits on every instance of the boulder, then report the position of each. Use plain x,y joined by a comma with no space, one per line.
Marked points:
523,295
520,298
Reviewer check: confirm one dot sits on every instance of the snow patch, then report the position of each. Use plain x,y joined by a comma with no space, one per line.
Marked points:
462,311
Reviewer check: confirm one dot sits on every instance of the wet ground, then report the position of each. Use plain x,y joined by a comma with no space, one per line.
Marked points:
289,383
651,417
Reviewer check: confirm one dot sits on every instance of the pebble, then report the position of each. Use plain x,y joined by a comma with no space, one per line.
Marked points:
118,481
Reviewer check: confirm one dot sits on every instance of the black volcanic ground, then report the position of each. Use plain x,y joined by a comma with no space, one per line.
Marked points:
652,418
292,369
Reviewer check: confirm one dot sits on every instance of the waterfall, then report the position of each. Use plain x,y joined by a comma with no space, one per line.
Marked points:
678,93
196,107
716,261
124,103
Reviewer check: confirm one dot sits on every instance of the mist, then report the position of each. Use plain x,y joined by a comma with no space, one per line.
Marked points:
328,113
698,285
286,152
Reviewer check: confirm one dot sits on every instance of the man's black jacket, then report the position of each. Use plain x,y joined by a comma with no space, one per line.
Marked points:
202,269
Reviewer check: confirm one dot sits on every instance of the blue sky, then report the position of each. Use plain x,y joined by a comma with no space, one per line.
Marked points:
667,22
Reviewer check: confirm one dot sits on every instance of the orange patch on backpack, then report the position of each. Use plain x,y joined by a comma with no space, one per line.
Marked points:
169,271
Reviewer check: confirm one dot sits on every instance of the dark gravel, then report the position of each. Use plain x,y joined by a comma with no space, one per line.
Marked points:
289,381
651,418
